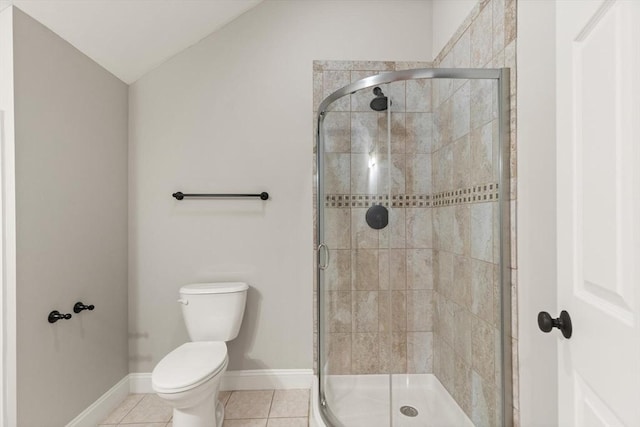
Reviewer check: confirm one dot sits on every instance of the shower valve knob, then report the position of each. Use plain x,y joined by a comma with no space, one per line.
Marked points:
546,323
78,307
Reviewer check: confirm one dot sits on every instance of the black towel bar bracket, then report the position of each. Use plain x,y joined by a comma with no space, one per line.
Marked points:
180,195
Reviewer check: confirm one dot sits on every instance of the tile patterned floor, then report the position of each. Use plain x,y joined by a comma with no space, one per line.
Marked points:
259,408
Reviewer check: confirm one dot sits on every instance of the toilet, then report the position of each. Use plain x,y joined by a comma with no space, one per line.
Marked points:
188,378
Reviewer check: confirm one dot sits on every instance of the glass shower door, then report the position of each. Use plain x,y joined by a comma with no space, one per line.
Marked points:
355,303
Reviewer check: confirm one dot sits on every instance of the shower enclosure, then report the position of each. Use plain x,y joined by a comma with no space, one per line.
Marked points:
413,259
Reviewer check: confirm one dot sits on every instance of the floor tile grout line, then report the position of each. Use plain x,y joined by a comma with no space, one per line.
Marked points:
273,396
132,408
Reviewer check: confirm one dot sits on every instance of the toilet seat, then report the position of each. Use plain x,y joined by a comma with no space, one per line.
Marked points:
188,366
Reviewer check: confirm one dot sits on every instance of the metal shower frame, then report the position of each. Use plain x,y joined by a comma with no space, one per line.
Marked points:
501,76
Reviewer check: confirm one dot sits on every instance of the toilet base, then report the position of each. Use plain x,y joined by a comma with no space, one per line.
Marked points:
207,414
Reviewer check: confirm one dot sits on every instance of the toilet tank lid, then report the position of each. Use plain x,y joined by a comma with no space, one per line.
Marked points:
214,288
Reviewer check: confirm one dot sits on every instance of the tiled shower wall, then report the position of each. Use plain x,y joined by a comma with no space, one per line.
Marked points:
378,287
466,237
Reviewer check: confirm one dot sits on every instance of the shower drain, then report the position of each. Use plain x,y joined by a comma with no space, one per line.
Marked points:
409,411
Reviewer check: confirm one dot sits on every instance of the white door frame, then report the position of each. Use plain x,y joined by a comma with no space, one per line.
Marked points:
8,357
537,394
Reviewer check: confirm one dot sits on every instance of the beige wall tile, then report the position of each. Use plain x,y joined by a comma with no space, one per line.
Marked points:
363,132
318,95
362,236
482,231
461,289
337,173
419,233
461,163
462,383
364,179
483,402
418,174
364,273
419,137
461,112
339,353
337,230
498,25
339,314
396,91
482,285
442,121
509,21
394,234
419,269
481,38
482,105
462,333
446,315
393,352
482,154
443,228
445,362
419,310
442,161
443,273
337,276
332,81
392,269
366,353
418,95
365,311
419,352
462,51
483,349
461,233
392,315
394,172
337,133
398,132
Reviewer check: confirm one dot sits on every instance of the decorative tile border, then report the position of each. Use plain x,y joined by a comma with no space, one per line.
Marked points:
366,200
474,194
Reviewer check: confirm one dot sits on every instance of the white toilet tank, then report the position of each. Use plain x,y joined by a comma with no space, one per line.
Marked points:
213,311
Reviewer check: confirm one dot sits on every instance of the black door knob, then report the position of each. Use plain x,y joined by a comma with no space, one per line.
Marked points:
546,323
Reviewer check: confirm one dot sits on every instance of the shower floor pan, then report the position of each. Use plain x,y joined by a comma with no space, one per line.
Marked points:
363,401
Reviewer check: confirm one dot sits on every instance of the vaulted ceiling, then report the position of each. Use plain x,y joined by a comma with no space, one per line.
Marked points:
131,37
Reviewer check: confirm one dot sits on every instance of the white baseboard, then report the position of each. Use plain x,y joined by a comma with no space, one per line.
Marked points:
101,408
140,383
266,379
261,379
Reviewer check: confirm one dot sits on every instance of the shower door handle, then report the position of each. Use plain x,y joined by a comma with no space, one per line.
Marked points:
322,247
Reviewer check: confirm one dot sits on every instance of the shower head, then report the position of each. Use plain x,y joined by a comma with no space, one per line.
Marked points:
380,102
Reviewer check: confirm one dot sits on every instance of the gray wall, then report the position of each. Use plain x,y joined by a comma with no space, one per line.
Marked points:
234,114
71,203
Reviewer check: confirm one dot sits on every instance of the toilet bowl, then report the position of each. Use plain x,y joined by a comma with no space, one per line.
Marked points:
188,378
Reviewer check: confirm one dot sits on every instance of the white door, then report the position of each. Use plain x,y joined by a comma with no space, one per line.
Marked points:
598,139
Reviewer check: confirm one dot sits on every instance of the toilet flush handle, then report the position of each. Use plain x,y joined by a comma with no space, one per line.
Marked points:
183,301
